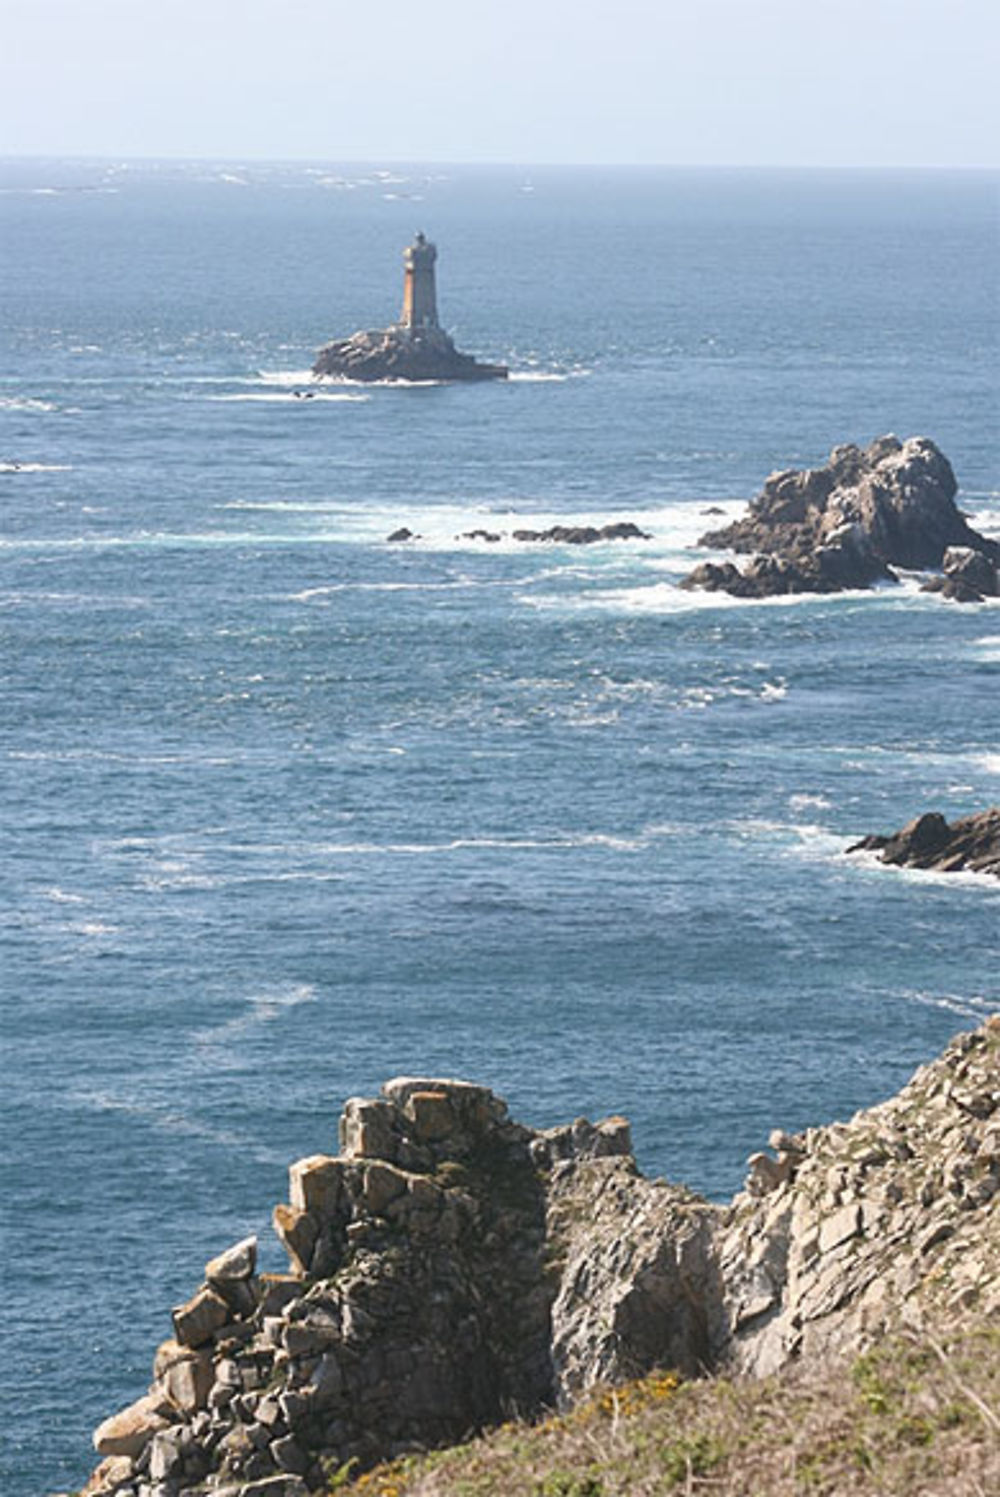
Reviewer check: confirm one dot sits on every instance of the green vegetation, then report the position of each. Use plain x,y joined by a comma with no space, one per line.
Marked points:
918,1414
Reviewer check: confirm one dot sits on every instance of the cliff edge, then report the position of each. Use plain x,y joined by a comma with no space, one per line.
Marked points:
450,1267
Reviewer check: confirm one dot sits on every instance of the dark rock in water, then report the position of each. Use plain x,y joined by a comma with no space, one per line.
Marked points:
968,576
847,524
585,535
410,354
416,348
969,845
713,509
402,534
480,535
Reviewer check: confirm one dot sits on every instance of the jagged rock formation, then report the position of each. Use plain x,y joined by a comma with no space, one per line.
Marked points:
969,845
846,525
400,353
450,1266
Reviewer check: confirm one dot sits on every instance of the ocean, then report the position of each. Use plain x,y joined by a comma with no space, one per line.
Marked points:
288,810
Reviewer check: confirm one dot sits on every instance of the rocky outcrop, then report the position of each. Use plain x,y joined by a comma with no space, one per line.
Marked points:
967,576
450,1266
399,353
969,845
848,524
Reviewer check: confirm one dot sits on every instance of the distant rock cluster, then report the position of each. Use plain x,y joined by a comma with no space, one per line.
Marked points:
848,524
566,535
969,845
450,1267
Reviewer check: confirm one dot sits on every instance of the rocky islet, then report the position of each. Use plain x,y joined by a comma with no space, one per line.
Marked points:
850,524
970,844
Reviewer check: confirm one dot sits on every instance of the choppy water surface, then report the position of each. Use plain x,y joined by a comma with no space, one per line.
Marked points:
288,810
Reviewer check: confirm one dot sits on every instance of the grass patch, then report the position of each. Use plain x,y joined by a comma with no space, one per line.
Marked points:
917,1415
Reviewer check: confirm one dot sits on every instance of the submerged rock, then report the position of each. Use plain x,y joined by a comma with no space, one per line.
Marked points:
452,1267
848,524
969,845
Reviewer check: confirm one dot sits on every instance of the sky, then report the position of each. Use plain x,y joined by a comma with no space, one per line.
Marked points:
679,82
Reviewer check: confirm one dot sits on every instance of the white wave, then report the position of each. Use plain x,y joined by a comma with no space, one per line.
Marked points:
648,598
262,1008
164,1117
26,403
35,467
805,802
537,377
62,896
311,594
773,691
668,597
967,1007
291,397
557,842
987,648
869,860
287,377
989,762
290,377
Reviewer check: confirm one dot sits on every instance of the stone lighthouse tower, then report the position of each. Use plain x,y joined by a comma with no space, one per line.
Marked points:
419,294
414,348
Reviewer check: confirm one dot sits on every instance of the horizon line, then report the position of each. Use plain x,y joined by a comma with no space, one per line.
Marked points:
496,163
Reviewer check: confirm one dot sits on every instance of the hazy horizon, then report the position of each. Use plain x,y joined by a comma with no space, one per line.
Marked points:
844,84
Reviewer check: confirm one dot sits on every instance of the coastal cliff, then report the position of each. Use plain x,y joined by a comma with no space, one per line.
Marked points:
450,1268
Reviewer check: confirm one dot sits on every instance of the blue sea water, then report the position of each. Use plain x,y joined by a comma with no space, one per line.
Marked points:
287,810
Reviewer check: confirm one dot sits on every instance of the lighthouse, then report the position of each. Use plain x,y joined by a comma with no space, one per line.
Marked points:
419,294
416,347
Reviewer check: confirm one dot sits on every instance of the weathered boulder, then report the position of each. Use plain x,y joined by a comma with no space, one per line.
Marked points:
969,845
414,355
847,524
184,1375
129,1431
235,1264
202,1315
967,576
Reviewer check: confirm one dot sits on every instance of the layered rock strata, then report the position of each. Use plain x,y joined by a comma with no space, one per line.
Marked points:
849,523
971,844
450,1267
415,355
